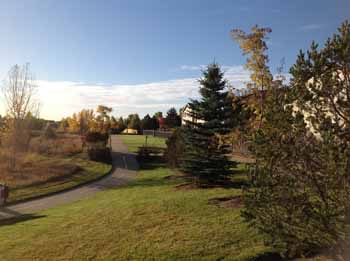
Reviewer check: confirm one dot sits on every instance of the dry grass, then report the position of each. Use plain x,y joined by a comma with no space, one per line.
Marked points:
33,169
62,145
49,166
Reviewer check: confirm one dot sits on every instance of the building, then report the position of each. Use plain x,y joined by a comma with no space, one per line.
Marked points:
187,115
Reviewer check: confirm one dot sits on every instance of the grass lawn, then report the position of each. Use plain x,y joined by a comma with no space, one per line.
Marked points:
148,219
43,175
135,141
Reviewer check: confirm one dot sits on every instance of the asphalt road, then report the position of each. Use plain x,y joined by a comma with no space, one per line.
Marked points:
125,168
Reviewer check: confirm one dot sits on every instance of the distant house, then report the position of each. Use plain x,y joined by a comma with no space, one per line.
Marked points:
130,131
187,115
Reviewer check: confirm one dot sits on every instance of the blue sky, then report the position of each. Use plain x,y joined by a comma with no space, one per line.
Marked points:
143,56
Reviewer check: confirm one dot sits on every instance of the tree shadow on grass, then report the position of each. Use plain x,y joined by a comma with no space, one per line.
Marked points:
156,162
150,182
152,163
10,217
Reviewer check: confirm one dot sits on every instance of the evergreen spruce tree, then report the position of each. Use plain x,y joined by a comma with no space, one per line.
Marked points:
204,157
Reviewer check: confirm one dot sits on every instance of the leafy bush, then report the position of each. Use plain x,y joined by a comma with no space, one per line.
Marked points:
95,137
101,155
175,148
97,149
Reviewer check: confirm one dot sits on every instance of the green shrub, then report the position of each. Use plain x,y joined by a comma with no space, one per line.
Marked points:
299,196
101,155
175,149
94,137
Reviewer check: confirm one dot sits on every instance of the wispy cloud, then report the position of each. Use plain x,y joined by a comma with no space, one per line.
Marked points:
62,98
192,67
311,27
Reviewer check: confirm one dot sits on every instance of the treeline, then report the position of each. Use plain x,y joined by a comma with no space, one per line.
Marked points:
102,121
298,191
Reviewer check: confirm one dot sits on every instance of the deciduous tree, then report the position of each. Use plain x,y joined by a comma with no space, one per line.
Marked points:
19,91
254,45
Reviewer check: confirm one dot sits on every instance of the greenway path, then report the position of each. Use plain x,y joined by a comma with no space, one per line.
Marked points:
124,169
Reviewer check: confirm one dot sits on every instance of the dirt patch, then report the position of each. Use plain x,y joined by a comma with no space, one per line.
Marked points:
228,202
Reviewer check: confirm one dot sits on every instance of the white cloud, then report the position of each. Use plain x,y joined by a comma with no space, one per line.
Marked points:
61,98
310,27
192,67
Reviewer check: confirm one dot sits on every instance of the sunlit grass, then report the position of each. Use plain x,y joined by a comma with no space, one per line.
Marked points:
135,141
146,220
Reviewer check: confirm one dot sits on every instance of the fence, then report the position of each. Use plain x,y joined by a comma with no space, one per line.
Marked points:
155,133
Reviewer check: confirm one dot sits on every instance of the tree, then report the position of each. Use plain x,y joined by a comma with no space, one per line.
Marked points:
121,125
35,123
114,123
300,188
204,157
73,123
19,91
155,123
134,121
172,119
3,129
147,123
158,114
242,123
254,45
2,123
85,121
103,118
63,125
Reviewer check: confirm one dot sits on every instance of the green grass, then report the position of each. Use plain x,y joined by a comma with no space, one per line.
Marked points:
148,219
90,170
135,141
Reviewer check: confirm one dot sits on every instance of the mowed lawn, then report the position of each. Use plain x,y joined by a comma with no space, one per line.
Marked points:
135,141
149,219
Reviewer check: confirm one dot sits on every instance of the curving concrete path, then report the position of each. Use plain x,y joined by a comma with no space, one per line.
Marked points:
125,168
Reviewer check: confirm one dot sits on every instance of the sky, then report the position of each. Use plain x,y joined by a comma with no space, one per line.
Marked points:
141,56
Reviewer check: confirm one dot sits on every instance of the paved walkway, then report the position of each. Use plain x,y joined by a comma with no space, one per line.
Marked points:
125,168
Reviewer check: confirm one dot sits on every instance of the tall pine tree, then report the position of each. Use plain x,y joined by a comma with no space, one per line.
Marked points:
299,195
204,157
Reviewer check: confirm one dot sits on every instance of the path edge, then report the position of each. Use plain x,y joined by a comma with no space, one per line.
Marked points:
16,202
